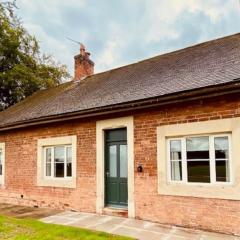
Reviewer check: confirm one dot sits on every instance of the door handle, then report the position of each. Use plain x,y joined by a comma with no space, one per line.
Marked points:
107,174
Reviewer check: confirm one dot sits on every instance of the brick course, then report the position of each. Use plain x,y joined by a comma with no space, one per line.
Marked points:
21,163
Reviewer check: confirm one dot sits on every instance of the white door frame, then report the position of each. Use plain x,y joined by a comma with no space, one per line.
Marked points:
125,122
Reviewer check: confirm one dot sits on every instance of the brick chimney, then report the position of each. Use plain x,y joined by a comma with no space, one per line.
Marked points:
83,65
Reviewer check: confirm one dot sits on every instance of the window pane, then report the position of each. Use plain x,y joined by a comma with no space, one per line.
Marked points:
59,156
48,161
175,150
176,171
69,169
222,171
48,155
69,161
0,162
69,154
198,171
113,160
59,170
198,148
48,169
123,161
221,147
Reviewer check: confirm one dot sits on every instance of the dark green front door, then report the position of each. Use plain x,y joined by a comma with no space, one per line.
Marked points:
116,166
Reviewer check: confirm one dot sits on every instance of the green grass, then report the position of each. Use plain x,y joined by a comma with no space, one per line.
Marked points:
28,229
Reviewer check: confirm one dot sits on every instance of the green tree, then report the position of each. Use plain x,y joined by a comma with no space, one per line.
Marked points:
23,69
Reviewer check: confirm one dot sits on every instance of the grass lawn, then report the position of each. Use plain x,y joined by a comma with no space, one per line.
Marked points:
28,229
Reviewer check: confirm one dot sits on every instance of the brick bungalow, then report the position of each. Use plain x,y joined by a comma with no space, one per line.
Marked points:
157,140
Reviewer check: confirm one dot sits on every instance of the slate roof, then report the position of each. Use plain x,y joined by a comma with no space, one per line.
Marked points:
206,64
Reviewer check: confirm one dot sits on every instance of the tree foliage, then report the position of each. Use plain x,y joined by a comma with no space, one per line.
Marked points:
23,69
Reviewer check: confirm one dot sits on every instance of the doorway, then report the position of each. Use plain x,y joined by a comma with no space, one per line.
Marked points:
116,168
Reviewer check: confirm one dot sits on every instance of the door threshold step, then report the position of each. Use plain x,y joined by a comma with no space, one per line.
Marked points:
114,211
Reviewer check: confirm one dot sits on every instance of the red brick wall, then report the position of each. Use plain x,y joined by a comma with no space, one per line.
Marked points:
21,168
21,162
212,214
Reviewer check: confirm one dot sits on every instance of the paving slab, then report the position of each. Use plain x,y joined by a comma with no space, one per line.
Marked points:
145,235
104,227
138,229
152,227
125,231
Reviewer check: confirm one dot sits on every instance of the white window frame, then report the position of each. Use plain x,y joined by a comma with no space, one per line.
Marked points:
2,177
42,179
53,164
213,127
211,160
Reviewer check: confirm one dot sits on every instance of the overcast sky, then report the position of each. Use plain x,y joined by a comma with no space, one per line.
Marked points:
119,32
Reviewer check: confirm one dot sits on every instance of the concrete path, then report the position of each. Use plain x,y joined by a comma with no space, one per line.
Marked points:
142,230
